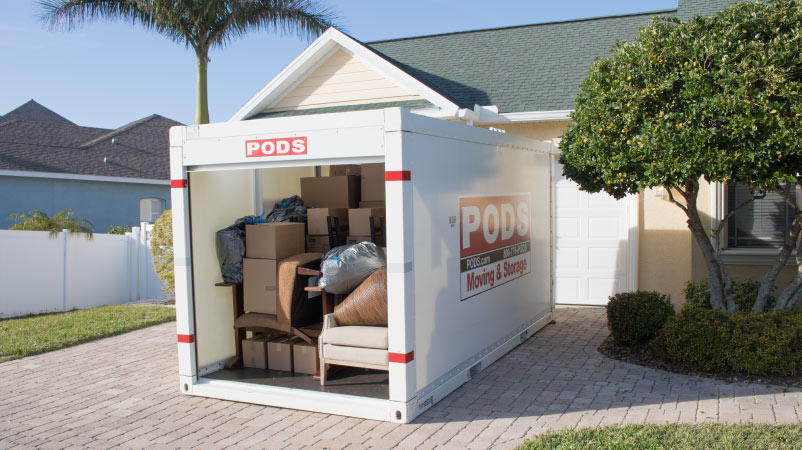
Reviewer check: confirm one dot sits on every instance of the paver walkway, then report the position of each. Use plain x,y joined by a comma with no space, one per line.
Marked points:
123,391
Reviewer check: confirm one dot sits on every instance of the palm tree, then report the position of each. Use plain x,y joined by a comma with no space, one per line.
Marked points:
200,24
62,220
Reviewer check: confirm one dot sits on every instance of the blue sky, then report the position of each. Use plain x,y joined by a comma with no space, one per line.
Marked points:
110,73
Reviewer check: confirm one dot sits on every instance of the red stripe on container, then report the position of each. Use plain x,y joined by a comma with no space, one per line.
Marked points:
402,358
186,338
397,175
178,184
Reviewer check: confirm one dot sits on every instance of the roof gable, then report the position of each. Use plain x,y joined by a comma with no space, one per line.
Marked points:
335,53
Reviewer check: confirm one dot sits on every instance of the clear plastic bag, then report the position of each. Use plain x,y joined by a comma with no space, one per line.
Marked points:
344,268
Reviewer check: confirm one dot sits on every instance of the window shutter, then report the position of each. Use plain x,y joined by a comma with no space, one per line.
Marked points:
763,223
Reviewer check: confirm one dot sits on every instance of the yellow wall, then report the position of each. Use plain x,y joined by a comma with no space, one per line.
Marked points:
342,80
278,184
217,200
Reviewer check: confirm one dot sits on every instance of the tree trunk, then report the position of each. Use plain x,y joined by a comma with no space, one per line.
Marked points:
791,294
699,233
202,100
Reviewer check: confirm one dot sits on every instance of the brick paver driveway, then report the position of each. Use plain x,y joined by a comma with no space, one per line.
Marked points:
123,391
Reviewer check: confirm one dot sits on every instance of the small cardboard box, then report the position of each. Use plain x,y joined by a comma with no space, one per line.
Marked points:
259,279
359,220
372,204
373,182
279,353
345,169
305,358
317,244
254,351
276,240
330,192
316,219
357,239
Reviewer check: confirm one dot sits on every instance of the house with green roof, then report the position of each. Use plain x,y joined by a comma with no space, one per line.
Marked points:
523,80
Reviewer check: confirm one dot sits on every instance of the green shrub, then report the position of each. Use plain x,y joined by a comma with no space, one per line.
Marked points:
161,247
767,343
697,294
757,343
697,338
635,317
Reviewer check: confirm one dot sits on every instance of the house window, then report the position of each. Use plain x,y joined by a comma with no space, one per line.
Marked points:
762,224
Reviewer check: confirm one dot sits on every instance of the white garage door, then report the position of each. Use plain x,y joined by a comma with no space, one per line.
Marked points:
592,254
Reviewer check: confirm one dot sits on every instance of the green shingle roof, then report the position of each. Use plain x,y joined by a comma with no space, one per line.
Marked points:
525,68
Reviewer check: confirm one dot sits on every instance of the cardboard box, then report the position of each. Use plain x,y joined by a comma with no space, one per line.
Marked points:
279,353
373,182
357,239
254,351
359,220
259,279
305,358
345,169
276,240
316,219
373,204
317,244
330,192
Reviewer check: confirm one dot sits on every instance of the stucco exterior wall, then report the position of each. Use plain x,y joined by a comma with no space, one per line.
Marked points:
102,203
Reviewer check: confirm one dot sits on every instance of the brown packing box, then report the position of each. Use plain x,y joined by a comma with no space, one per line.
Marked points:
305,358
316,219
254,351
259,279
373,204
330,192
317,244
359,220
345,169
373,182
357,239
276,240
279,353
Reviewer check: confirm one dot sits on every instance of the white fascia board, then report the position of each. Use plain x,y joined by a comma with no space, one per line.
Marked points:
72,176
526,116
317,53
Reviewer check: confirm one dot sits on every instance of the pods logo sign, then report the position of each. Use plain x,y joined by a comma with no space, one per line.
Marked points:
275,147
495,244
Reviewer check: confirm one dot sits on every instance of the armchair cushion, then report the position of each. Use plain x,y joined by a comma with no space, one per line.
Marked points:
356,336
373,356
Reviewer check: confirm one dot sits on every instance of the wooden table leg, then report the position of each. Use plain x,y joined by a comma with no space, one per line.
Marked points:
239,335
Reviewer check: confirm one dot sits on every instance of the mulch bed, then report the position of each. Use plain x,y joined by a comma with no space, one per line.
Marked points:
645,355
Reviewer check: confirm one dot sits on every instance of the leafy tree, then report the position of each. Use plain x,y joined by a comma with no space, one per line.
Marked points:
161,247
201,25
62,220
118,229
715,98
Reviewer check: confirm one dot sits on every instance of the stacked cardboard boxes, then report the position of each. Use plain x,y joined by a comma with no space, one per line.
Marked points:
280,352
266,244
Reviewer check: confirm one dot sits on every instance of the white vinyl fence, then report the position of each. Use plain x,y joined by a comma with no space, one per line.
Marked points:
39,273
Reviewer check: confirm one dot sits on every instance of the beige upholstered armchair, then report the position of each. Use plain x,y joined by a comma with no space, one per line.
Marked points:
354,346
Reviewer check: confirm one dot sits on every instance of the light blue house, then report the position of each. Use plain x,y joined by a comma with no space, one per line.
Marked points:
48,163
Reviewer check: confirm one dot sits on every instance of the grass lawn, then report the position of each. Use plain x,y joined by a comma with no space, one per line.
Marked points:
654,437
26,336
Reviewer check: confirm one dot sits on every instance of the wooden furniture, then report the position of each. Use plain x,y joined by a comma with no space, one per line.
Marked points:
292,316
353,346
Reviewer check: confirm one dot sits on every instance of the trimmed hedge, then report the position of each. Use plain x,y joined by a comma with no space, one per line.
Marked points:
635,317
697,294
757,343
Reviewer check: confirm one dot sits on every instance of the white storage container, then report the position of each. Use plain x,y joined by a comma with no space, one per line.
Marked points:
469,255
